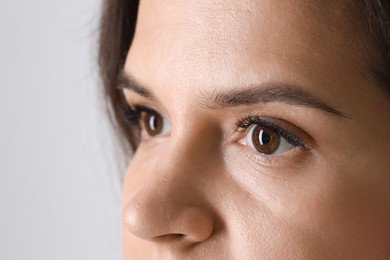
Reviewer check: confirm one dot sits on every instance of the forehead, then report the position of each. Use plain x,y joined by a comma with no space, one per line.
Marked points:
209,44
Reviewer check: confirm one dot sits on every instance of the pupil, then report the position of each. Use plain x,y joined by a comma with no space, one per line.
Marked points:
264,138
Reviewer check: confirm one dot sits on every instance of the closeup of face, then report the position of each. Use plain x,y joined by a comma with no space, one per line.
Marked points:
263,134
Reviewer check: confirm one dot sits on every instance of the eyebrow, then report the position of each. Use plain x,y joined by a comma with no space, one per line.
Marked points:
263,93
127,81
273,92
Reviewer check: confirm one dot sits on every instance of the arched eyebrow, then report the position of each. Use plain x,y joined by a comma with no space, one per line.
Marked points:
127,81
273,92
263,93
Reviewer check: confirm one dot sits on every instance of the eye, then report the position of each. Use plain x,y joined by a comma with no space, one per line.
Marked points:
154,123
272,136
266,140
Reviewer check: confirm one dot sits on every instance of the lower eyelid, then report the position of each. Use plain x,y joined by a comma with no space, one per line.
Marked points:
260,159
287,158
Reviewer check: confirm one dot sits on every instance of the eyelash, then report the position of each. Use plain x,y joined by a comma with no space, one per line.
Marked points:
132,116
246,122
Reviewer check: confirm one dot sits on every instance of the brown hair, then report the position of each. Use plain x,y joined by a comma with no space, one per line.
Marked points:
378,14
117,30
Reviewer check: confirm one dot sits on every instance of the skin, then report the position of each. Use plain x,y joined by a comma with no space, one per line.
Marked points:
200,190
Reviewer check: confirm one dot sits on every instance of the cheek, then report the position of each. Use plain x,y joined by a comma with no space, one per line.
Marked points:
344,217
356,215
316,209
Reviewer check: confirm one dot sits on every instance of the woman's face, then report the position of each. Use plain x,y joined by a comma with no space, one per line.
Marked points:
262,133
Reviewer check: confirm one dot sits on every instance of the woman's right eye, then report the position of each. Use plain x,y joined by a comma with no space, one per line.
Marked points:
154,124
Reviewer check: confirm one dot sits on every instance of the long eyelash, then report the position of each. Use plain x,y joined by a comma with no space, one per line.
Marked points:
244,123
132,116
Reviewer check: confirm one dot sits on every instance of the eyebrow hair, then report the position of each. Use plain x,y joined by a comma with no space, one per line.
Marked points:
263,93
273,92
127,81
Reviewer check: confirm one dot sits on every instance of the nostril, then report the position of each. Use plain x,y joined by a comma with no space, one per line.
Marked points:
170,238
188,225
176,236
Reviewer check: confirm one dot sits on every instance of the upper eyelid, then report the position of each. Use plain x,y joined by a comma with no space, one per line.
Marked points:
146,107
250,120
135,99
254,120
142,108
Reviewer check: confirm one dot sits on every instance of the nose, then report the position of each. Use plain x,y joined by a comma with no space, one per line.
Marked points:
169,206
168,225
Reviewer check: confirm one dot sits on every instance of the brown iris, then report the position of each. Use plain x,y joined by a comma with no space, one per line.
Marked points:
153,123
265,140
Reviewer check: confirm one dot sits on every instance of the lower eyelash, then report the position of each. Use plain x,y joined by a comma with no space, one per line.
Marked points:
244,123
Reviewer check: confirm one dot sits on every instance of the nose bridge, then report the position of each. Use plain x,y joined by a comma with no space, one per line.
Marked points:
188,153
172,200
183,163
192,150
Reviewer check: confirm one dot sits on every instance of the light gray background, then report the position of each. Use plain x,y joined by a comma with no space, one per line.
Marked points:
59,186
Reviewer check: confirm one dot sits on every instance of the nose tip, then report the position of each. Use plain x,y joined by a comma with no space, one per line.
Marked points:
166,225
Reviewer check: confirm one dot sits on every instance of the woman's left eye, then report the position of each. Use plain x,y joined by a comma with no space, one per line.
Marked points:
154,123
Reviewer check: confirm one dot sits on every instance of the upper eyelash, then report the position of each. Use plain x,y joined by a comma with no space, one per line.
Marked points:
132,116
244,123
